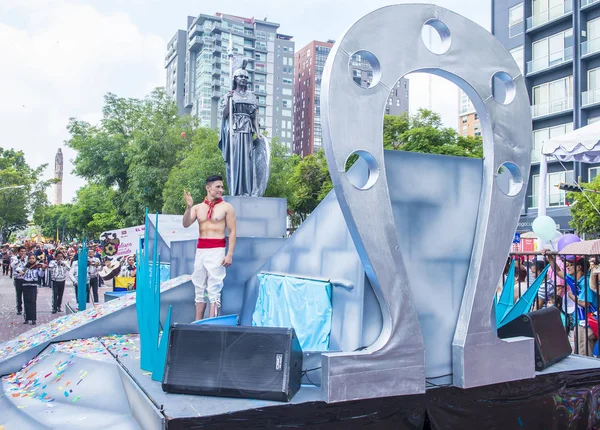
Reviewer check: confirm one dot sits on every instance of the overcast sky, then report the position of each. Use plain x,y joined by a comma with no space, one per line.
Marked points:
59,57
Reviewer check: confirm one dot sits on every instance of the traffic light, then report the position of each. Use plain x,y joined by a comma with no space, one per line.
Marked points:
569,187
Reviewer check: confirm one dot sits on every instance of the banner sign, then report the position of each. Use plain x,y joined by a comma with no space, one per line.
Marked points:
122,242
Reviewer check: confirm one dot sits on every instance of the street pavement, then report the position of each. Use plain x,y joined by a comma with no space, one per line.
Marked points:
11,324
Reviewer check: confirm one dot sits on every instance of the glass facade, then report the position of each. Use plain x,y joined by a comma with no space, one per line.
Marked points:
207,66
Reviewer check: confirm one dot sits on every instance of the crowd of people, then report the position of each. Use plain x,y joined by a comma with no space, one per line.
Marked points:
33,266
571,284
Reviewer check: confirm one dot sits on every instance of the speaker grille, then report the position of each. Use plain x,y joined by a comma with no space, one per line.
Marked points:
254,362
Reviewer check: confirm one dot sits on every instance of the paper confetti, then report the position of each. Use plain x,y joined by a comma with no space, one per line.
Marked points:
46,332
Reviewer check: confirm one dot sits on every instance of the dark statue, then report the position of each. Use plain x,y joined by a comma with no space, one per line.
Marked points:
246,157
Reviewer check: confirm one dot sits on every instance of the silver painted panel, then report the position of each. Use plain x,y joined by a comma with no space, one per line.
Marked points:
352,120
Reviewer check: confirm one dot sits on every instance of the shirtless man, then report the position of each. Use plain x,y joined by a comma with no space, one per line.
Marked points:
213,215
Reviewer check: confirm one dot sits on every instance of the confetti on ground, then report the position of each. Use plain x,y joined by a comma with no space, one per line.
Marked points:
46,332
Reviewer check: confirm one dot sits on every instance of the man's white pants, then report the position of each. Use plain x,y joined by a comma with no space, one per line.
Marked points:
209,274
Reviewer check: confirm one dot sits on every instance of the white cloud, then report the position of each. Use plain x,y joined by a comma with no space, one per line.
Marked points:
59,62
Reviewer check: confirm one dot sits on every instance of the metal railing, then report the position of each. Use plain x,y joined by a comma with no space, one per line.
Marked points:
551,14
573,294
590,46
590,97
552,60
515,30
557,199
585,3
555,106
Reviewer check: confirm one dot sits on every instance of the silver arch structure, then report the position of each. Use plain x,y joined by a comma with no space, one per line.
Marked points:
352,122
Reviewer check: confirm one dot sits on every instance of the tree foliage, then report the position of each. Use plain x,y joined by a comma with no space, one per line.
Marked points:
203,160
142,154
16,204
584,209
424,132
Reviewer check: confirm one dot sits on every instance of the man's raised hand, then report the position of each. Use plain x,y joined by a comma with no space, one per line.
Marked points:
189,202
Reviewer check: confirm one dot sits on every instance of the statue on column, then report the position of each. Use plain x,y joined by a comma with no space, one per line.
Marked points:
246,156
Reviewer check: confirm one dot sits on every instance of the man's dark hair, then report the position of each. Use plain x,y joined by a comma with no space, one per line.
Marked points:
59,252
213,178
580,262
21,247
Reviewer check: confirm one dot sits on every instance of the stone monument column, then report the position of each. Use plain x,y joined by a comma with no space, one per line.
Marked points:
58,174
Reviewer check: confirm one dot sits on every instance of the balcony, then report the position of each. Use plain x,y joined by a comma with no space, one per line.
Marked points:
550,61
549,15
552,108
589,3
554,199
590,47
590,97
515,30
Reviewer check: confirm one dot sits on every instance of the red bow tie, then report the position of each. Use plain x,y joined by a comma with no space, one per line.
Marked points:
211,206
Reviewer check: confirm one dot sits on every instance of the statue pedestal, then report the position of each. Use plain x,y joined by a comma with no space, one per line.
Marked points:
259,216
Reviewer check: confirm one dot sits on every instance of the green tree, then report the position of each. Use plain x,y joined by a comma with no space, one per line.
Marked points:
311,183
93,211
424,132
584,209
133,149
16,204
282,169
202,161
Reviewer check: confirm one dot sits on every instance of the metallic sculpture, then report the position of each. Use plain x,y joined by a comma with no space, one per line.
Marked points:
246,157
390,39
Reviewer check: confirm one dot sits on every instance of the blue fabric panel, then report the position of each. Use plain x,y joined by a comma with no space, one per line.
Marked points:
303,304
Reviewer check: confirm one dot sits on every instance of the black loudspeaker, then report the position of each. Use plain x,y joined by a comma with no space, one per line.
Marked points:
233,361
549,335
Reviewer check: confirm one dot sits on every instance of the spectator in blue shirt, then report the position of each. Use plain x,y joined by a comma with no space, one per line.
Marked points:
582,288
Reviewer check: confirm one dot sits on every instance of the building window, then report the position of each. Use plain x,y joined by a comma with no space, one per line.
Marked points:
593,120
517,54
553,97
287,112
544,134
593,29
515,20
464,129
554,196
552,50
592,173
464,119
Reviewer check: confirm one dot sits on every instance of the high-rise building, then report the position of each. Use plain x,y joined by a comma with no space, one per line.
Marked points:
175,65
206,76
58,175
556,43
468,119
310,61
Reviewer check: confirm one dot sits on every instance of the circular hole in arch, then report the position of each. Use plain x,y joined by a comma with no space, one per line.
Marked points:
509,179
436,36
364,69
360,179
503,88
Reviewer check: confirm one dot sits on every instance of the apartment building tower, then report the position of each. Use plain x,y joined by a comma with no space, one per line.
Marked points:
206,75
310,61
556,43
468,118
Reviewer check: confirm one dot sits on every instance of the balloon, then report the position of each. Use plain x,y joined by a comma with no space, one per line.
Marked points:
544,227
183,134
567,239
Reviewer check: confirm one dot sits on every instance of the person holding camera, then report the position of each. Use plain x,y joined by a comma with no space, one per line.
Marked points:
59,270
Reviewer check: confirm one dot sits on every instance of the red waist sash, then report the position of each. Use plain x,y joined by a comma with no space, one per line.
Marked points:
210,243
